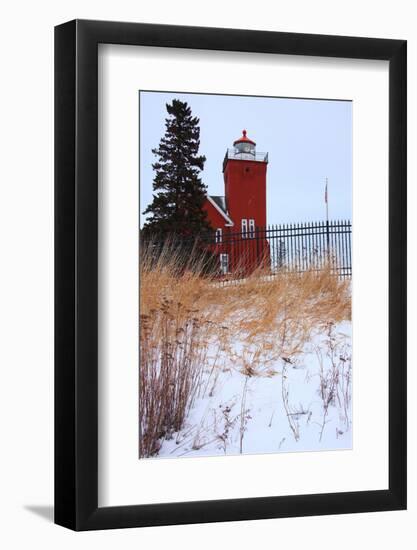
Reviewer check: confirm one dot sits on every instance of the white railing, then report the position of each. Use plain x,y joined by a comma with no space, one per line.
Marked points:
238,155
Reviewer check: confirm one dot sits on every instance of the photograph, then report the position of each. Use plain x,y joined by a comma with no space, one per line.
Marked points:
208,245
245,275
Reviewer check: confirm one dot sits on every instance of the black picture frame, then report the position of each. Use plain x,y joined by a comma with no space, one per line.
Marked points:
76,273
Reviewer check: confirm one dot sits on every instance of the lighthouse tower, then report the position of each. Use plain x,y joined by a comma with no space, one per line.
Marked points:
244,172
239,216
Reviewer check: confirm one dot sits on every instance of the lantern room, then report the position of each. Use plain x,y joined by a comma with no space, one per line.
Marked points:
245,147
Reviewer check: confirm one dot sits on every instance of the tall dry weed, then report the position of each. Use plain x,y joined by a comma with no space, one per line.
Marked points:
185,313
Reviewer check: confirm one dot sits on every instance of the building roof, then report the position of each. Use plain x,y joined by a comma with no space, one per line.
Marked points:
219,203
244,139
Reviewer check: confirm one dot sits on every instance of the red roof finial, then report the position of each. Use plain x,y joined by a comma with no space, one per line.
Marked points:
244,139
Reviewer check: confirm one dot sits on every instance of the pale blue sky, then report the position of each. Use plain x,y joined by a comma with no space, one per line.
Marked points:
307,140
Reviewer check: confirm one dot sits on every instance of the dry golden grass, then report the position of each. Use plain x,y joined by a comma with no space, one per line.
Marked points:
184,312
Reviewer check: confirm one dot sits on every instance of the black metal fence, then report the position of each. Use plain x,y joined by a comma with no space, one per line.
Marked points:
279,248
312,245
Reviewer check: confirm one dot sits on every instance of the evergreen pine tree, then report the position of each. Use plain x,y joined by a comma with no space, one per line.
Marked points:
179,193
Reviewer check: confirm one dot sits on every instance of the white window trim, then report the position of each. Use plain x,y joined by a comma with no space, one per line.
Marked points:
244,227
251,229
224,266
219,235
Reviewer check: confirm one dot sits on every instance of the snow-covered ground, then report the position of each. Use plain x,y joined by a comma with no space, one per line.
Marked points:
302,403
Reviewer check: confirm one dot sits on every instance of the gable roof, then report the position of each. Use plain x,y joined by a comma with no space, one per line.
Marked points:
219,204
220,201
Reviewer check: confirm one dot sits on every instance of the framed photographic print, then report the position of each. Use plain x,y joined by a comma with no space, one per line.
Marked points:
230,275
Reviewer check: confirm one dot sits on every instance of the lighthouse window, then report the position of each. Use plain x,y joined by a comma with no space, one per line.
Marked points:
251,229
244,229
219,235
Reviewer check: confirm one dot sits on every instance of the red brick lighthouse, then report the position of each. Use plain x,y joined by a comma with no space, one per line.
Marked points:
239,217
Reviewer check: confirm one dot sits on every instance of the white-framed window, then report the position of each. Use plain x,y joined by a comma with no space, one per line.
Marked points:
244,229
251,229
219,235
224,263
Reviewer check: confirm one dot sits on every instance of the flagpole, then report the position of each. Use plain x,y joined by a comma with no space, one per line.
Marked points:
326,198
